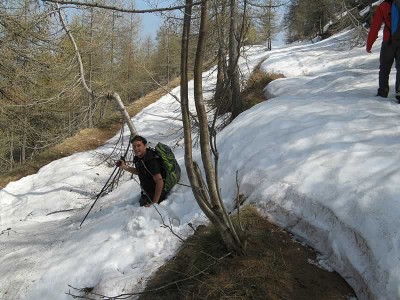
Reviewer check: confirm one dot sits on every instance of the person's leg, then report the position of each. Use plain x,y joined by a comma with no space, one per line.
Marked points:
162,197
397,58
144,199
386,61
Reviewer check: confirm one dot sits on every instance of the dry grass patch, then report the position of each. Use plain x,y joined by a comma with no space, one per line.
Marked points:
253,92
275,267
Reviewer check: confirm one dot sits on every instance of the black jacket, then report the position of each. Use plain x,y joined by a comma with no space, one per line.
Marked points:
148,166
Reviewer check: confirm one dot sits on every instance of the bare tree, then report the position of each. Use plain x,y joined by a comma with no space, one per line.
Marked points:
206,192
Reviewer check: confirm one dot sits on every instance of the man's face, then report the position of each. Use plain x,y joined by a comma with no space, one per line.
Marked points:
139,148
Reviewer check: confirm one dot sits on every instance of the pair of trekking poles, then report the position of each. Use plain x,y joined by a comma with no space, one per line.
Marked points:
106,185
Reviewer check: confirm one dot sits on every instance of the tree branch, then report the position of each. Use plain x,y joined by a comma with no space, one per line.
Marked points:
267,6
115,8
111,95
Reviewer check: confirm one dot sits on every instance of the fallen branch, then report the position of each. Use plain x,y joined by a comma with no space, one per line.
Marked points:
128,295
60,211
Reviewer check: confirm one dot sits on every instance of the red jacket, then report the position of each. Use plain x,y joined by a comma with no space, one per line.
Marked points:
381,16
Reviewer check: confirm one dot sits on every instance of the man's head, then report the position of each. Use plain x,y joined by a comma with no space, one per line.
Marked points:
139,144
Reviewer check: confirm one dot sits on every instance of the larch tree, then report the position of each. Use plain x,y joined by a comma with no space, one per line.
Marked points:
29,97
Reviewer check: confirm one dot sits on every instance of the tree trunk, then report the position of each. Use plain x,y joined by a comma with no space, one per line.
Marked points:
269,26
168,54
24,140
11,139
237,106
207,197
90,75
220,95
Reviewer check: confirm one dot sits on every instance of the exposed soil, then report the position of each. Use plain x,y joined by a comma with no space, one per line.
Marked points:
274,267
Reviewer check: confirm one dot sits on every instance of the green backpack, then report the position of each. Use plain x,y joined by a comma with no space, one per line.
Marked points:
172,171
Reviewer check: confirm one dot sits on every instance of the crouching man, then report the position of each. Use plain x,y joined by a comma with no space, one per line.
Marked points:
148,167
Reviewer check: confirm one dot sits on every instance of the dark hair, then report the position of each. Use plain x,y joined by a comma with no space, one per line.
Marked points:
139,138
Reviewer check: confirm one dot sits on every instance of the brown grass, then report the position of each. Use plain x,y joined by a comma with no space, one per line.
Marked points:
274,267
253,92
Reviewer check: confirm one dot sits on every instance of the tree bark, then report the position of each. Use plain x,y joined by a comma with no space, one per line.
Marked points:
91,97
237,106
220,95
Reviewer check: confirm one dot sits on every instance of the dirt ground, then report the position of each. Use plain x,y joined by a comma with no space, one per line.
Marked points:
275,266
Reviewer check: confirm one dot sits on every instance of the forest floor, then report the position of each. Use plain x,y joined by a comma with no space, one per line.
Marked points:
275,266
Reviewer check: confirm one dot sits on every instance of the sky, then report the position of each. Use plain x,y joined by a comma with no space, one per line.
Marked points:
320,159
150,21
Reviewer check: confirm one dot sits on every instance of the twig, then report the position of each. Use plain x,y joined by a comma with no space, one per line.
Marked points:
128,295
238,201
60,211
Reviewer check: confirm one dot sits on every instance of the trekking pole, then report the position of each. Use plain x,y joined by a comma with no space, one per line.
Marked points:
99,195
105,185
119,173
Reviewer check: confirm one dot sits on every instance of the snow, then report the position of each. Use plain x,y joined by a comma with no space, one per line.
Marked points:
319,159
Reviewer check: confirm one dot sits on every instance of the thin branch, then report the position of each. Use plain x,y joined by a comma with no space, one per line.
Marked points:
196,122
78,55
128,295
115,8
60,211
238,200
268,5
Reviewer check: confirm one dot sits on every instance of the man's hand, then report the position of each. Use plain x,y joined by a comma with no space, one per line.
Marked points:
121,163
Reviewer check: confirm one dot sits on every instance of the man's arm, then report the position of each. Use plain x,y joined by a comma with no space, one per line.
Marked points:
132,170
159,186
376,25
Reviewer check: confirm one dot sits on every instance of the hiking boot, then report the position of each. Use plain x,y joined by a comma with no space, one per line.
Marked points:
398,97
382,93
379,94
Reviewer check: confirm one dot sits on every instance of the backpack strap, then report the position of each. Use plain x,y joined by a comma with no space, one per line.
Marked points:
150,154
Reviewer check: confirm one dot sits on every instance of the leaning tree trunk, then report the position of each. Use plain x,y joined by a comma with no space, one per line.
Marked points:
206,195
111,95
